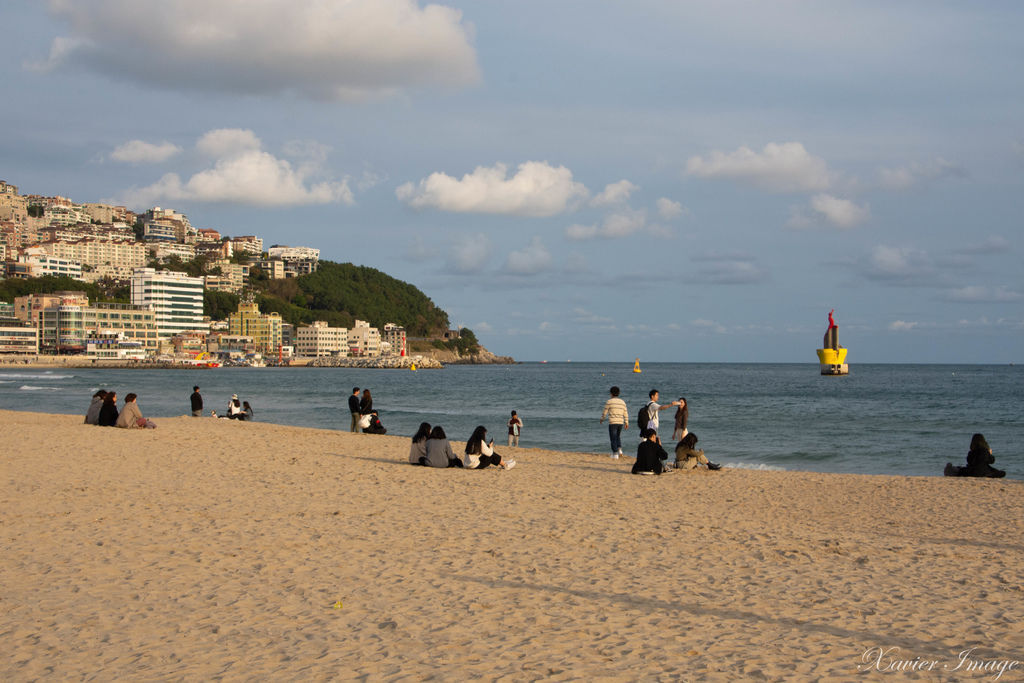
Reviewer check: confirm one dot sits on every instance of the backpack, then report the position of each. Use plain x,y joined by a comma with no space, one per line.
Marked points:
643,418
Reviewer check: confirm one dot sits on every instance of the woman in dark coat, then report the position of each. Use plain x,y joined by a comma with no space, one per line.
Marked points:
108,413
979,461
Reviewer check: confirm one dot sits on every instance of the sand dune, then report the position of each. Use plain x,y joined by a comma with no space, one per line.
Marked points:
216,549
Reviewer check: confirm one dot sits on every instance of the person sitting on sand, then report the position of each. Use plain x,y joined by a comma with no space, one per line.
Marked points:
687,457
979,462
235,411
439,451
131,416
650,456
250,414
480,452
375,425
92,415
108,412
418,449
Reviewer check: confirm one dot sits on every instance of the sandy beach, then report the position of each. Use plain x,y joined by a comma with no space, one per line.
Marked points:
212,549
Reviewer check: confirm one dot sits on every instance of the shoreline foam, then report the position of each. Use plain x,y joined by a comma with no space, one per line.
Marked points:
210,548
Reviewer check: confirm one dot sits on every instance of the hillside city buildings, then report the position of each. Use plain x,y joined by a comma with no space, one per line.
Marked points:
42,236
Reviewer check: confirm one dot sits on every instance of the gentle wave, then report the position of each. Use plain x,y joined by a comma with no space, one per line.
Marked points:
35,375
760,466
29,387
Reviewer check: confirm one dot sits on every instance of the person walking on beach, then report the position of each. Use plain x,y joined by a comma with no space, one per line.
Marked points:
197,402
353,407
515,425
618,419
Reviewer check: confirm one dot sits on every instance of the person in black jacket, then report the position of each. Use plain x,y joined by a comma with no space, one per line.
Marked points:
650,456
375,425
979,462
197,402
353,407
108,413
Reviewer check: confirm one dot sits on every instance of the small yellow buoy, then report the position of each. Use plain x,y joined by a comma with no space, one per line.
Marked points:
636,366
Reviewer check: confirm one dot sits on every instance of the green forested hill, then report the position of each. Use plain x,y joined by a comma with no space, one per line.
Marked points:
339,293
342,292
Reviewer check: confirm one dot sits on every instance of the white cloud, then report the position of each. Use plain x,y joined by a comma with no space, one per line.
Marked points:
901,266
779,167
531,259
841,213
242,173
224,142
907,176
319,49
977,294
731,270
902,326
669,209
994,244
470,254
537,189
585,317
710,325
622,223
138,151
614,193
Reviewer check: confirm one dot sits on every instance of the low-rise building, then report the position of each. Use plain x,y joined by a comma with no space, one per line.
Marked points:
111,345
273,268
248,244
393,340
18,337
363,340
165,251
320,339
67,328
263,328
39,264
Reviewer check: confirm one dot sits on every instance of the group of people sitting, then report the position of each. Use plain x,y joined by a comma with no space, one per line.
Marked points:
236,410
103,412
651,458
430,448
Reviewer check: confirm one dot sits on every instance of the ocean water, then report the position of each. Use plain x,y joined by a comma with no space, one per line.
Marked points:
879,419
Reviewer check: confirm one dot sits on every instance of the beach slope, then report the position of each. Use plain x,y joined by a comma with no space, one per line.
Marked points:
216,549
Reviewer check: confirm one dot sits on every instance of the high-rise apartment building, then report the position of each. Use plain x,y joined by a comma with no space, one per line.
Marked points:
176,298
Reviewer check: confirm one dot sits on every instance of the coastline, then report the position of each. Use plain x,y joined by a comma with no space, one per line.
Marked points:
210,548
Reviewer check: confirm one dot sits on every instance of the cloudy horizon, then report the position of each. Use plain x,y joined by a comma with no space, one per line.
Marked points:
574,180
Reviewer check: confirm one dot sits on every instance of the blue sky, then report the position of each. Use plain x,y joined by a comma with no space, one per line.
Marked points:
572,180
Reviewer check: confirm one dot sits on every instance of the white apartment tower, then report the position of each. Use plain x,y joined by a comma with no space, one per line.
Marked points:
176,298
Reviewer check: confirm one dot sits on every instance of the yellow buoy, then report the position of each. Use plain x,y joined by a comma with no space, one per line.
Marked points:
636,366
413,367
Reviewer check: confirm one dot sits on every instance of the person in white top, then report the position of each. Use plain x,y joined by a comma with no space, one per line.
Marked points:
618,419
480,452
652,411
